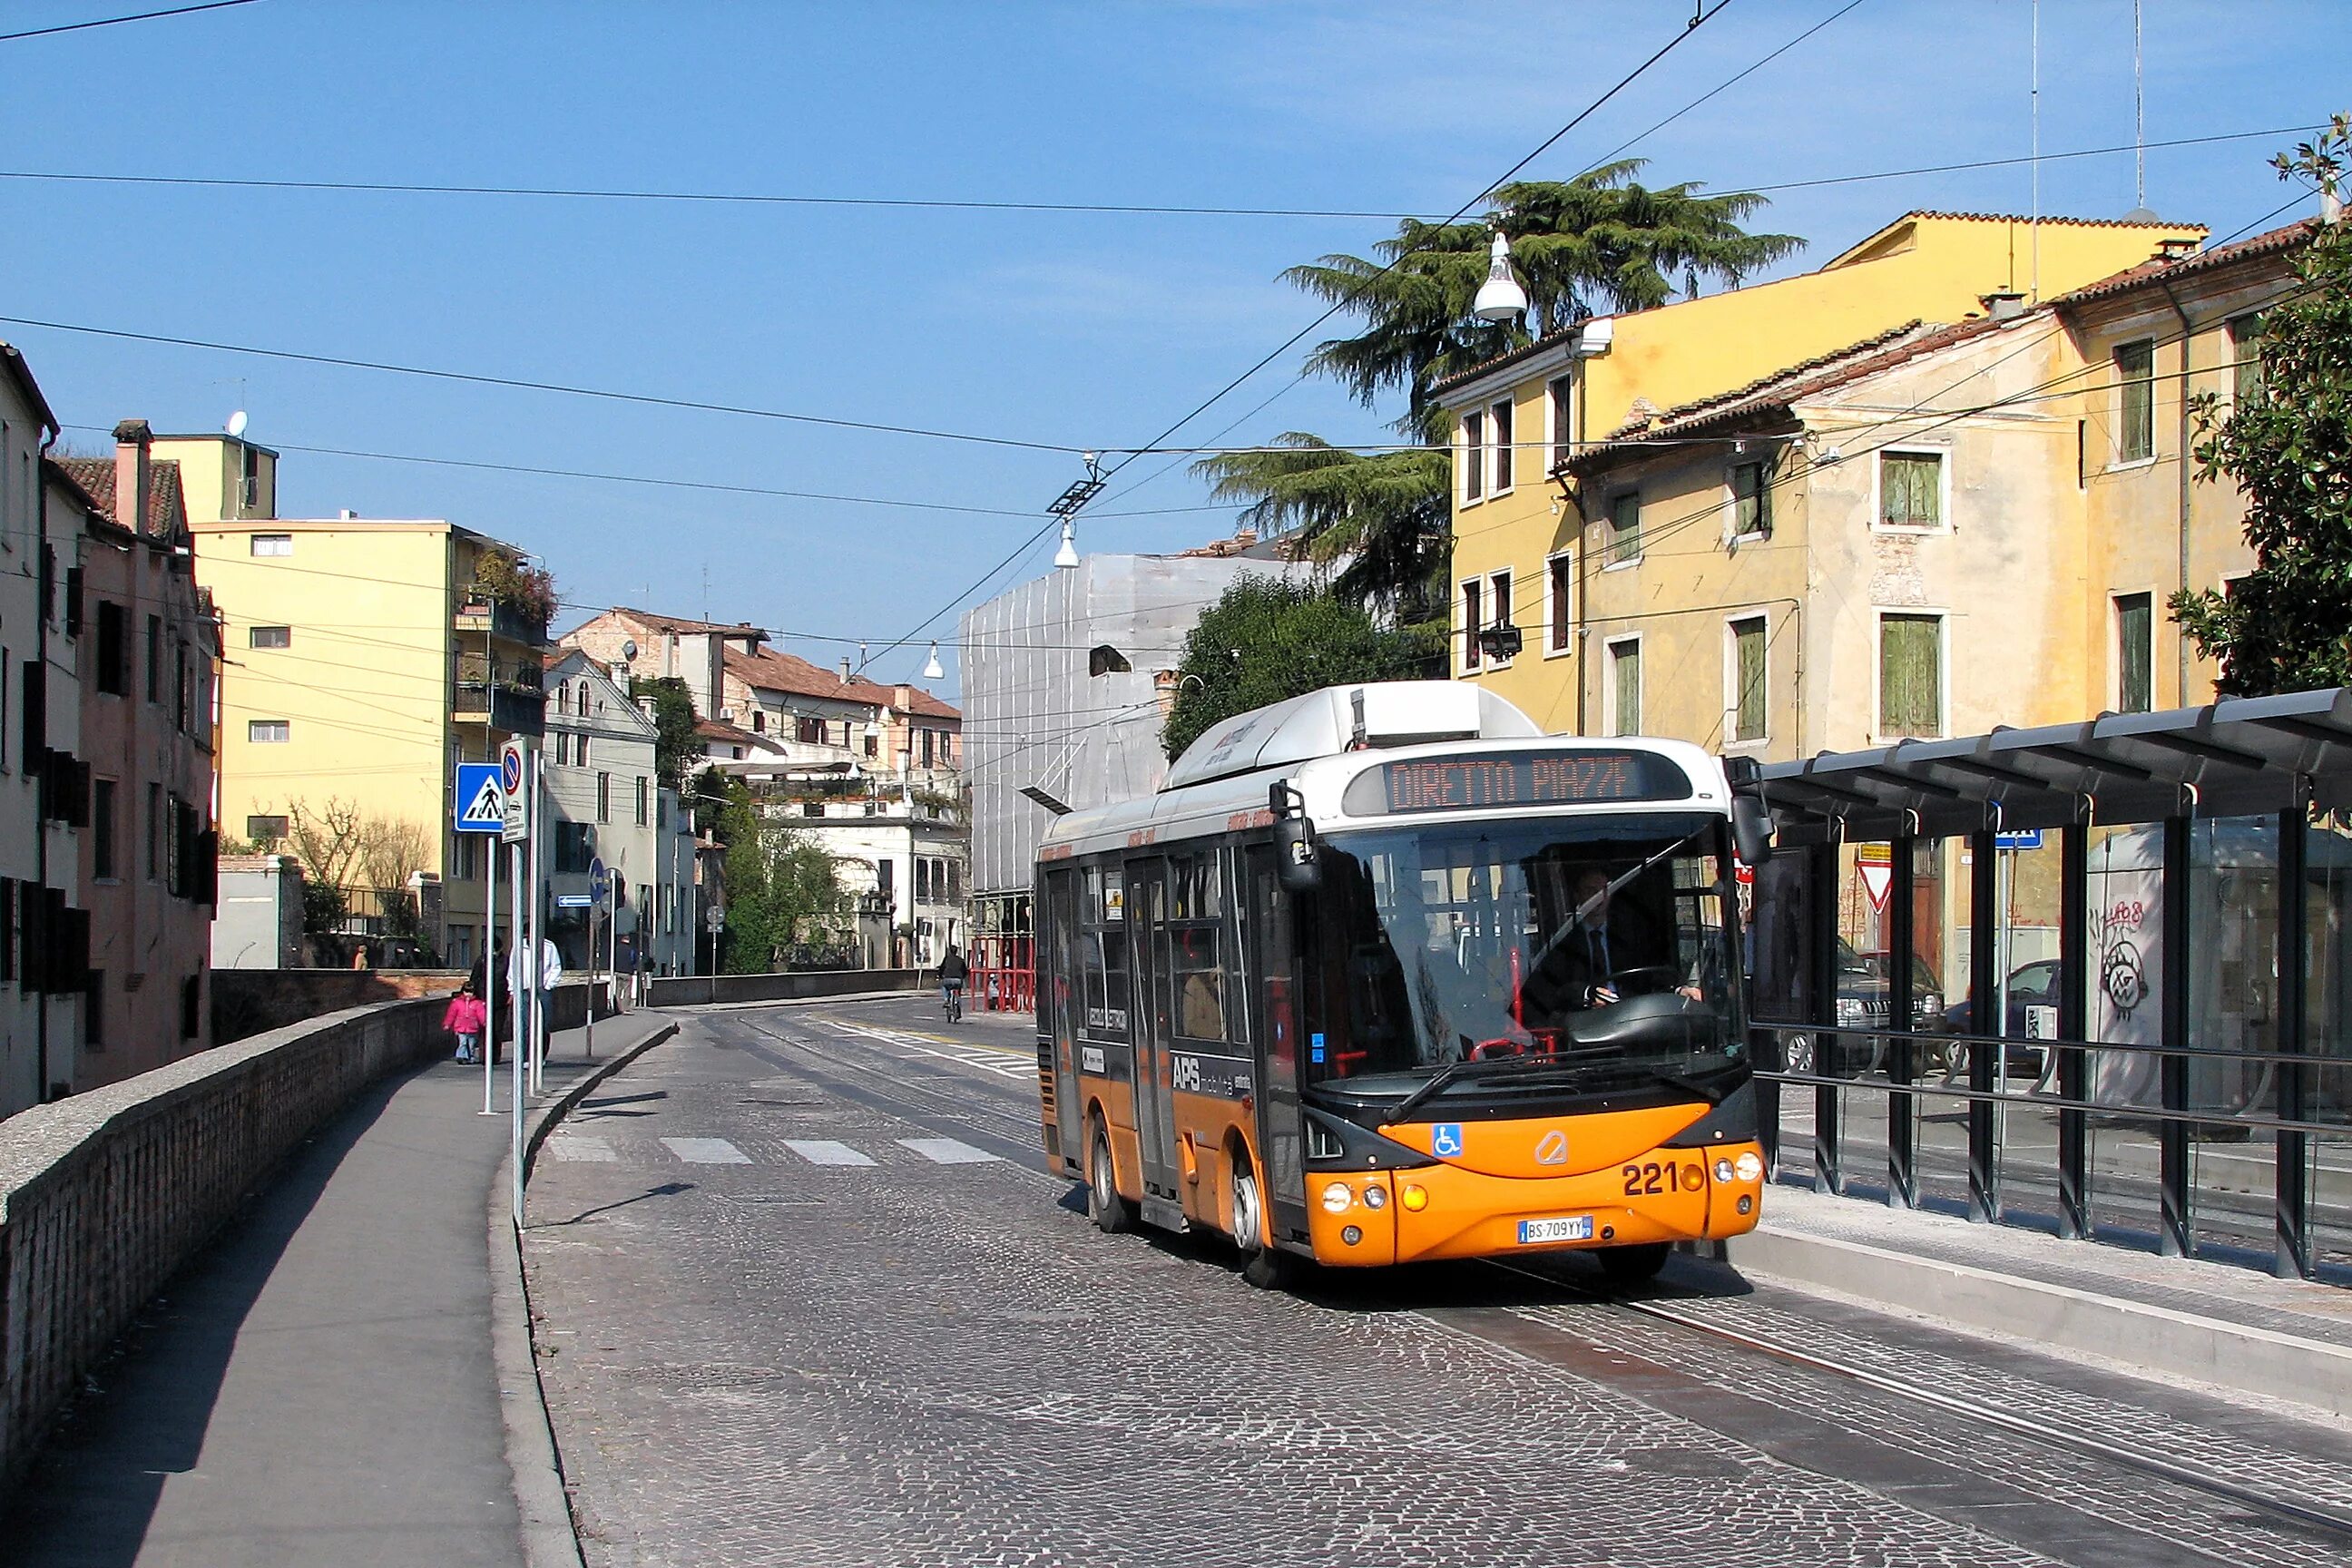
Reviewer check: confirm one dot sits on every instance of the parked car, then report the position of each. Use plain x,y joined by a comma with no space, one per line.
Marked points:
2033,986
1865,984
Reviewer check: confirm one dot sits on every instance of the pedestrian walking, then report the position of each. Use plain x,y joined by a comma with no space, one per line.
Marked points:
538,979
487,968
465,1017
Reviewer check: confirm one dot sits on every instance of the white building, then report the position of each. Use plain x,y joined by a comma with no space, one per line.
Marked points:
904,863
44,946
1061,697
606,803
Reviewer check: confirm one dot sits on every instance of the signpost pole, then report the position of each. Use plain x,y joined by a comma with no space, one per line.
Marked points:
513,824
535,968
588,1036
490,979
515,1068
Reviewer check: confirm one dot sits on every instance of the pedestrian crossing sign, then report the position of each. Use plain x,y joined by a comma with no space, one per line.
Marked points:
481,800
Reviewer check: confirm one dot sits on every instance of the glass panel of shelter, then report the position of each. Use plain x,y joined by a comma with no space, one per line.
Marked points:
2322,1093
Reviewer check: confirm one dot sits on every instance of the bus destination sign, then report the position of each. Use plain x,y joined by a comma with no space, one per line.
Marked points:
1523,778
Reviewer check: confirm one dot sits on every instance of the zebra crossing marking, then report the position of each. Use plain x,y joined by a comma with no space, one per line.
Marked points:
707,1152
580,1146
948,1151
824,1152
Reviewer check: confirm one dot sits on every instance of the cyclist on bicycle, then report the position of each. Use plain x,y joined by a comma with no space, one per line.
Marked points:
953,972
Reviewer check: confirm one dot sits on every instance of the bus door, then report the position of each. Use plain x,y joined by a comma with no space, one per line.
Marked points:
1268,943
1059,1009
1155,1121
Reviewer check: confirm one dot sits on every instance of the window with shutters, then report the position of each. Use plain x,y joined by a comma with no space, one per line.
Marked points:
1474,457
604,797
2246,358
1473,618
1744,666
273,544
1911,490
1559,583
1558,395
1624,530
269,731
1503,448
1751,501
2134,632
113,648
101,829
270,637
809,731
643,802
1498,595
1910,676
154,659
1625,686
2136,400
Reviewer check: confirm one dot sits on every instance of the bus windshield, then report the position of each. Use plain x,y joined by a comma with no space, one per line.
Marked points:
1594,939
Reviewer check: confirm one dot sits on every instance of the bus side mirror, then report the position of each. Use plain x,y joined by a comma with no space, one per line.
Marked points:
1751,829
1297,867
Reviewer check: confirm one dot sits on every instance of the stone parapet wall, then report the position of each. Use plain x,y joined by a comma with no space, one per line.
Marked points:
700,991
105,1194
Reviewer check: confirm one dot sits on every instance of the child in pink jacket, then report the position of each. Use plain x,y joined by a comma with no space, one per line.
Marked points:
464,1018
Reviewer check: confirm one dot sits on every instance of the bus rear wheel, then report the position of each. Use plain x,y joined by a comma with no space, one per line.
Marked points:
1633,1265
1111,1212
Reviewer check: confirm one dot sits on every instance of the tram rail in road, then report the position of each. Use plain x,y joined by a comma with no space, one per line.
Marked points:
927,1099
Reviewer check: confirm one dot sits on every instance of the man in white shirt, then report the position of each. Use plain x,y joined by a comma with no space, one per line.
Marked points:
548,976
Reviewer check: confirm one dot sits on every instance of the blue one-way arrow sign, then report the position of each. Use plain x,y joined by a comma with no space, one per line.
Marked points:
482,803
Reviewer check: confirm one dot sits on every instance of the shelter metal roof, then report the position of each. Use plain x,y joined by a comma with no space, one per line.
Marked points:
2238,757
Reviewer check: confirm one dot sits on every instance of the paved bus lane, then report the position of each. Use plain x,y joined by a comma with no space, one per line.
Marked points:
804,1289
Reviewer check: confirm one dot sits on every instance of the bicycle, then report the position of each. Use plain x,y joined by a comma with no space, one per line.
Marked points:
954,1001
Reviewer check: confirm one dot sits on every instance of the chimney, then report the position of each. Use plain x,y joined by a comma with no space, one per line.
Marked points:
133,474
2004,304
2175,249
906,698
845,670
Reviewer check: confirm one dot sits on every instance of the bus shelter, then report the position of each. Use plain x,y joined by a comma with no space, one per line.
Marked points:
2096,976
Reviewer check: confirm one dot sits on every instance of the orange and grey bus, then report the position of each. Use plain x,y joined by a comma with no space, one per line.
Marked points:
1383,974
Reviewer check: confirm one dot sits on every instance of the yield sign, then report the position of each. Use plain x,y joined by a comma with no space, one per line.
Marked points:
1876,880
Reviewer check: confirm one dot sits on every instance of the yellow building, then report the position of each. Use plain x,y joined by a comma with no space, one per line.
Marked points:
1521,414
360,669
1934,530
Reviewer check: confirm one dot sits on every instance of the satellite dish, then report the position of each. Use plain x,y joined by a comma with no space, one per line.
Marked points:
236,423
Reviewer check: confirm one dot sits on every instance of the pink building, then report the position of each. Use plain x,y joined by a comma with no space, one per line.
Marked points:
144,637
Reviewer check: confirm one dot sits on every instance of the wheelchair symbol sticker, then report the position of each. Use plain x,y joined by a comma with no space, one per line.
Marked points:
1445,1138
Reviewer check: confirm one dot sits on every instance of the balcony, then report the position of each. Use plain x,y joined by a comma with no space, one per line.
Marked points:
479,617
516,709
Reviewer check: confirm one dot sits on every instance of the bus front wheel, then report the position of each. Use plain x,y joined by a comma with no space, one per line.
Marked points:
1111,1212
1262,1265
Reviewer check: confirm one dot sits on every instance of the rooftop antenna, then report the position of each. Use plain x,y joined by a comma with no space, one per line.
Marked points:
2140,212
706,590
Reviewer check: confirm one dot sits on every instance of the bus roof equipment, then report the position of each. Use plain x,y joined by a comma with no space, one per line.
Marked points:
1352,718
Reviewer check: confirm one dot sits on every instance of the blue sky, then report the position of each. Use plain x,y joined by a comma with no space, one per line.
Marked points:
1077,330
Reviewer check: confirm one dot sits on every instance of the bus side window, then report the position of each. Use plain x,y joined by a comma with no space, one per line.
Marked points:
1199,983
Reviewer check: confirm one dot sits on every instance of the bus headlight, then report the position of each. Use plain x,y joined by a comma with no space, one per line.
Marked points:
1751,1169
1336,1197
1376,1197
1723,1170
1416,1198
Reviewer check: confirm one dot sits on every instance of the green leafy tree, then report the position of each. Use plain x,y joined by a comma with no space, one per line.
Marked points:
1266,640
1597,241
2288,447
781,890
1386,515
673,714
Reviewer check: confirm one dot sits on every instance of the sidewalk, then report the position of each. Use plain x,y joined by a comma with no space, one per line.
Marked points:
2287,1340
316,1388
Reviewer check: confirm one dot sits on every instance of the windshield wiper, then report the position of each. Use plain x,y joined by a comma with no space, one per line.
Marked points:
1615,886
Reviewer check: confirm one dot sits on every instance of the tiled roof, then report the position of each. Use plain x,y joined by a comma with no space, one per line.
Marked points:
715,729
167,511
1525,350
924,705
2048,220
1786,387
685,627
769,670
2276,242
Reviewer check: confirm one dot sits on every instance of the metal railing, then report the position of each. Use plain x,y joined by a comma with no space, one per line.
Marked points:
2037,1151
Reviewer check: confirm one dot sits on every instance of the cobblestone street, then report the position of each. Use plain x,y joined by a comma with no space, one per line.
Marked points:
805,1293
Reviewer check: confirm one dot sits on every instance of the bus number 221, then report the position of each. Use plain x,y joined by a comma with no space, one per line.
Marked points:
1654,1177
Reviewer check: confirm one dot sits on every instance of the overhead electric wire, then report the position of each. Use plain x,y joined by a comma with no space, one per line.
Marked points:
753,198
1697,21
118,21
519,384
